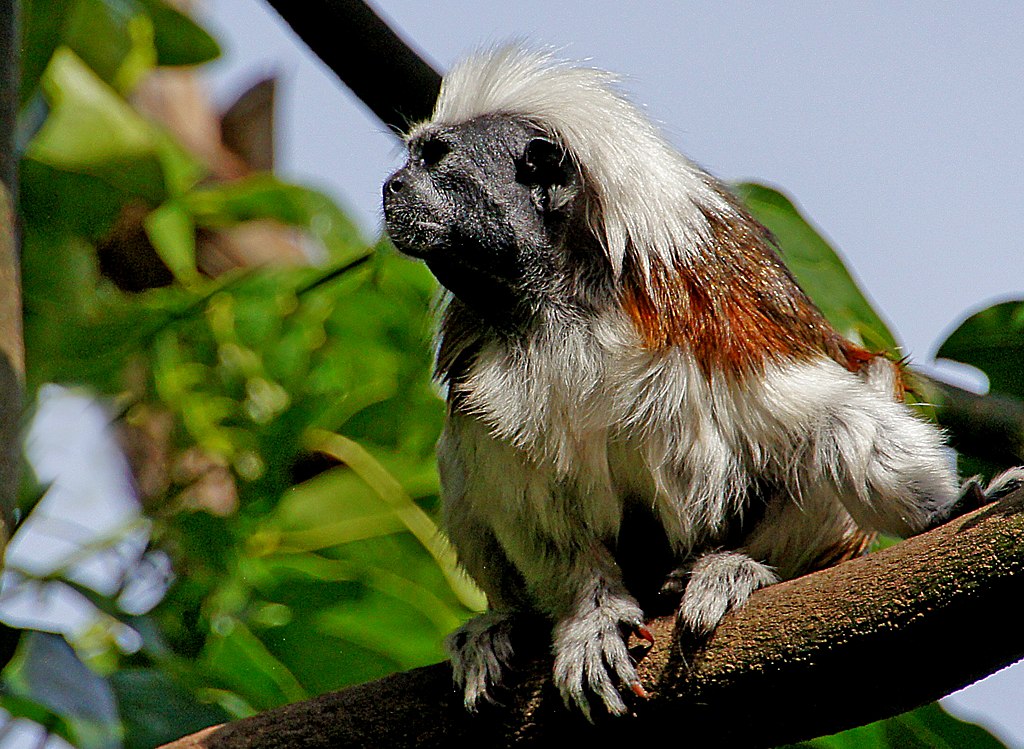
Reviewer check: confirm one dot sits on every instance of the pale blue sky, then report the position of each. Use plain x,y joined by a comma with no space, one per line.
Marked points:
897,127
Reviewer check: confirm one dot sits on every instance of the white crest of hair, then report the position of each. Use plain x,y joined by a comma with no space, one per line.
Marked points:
646,198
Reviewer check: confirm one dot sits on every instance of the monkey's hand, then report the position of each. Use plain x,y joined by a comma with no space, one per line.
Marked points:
480,650
973,496
716,583
591,652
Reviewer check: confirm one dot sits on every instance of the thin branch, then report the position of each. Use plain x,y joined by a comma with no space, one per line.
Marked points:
866,640
380,68
12,352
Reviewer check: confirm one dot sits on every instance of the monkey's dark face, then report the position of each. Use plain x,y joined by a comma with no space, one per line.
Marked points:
486,204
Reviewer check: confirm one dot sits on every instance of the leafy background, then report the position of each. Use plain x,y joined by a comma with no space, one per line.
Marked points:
281,420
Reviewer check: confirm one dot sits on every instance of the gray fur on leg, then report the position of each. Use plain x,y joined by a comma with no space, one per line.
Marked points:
590,647
480,651
719,581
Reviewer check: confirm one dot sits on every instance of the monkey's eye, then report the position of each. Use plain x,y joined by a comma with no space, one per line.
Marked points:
542,163
431,151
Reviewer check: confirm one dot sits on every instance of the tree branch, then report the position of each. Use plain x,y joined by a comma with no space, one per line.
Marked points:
863,641
12,354
12,351
990,426
380,68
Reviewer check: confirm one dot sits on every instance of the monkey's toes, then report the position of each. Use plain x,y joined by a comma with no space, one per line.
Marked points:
592,657
480,650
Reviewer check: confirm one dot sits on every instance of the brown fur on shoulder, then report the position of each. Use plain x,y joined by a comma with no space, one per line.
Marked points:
737,311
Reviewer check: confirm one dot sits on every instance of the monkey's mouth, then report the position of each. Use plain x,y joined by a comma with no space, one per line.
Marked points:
481,282
419,238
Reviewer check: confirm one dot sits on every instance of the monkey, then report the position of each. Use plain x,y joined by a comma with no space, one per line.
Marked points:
620,339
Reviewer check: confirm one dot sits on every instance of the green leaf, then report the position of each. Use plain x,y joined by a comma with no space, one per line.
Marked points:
179,40
89,123
395,497
245,665
92,130
931,727
993,341
156,709
356,618
173,235
263,196
928,727
114,38
394,585
59,276
818,268
181,169
871,736
327,660
21,707
336,507
120,40
54,201
42,24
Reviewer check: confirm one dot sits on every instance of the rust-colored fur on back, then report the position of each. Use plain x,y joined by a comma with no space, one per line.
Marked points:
734,311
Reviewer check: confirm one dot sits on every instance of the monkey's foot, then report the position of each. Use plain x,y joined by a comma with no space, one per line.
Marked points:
480,651
1006,482
591,655
718,582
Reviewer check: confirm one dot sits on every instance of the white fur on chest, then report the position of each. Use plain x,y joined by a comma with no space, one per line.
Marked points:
595,420
568,429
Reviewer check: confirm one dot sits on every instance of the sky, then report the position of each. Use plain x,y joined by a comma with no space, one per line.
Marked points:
896,127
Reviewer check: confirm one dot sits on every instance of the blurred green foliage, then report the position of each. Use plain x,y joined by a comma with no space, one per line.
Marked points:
928,727
993,341
298,483
295,574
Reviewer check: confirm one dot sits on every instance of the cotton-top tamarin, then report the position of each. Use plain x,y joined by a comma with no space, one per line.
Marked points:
625,353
